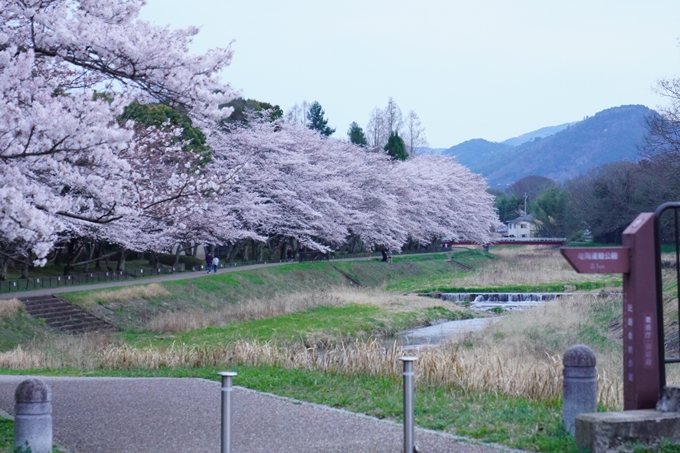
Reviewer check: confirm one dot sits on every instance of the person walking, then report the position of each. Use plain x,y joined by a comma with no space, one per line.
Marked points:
208,261
389,256
215,263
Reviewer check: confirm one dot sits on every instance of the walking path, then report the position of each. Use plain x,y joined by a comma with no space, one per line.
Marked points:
160,415
142,281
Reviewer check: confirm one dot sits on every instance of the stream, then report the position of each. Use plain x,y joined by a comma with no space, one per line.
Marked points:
437,334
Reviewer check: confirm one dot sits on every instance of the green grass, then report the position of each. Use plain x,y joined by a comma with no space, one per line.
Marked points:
349,321
214,291
20,329
6,435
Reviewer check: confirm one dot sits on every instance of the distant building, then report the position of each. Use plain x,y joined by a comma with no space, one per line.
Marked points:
522,227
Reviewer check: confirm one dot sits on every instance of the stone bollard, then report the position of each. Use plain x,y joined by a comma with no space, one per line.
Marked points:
33,417
579,388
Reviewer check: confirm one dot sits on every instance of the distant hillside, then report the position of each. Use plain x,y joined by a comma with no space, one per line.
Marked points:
608,136
540,133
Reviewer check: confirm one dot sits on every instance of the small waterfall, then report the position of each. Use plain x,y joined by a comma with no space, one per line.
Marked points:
510,301
506,301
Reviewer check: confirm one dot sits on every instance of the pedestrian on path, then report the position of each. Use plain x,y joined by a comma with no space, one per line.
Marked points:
215,263
389,256
208,261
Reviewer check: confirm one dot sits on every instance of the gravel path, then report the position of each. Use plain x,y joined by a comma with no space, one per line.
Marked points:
154,415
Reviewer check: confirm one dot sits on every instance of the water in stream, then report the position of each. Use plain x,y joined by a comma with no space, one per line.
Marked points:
437,334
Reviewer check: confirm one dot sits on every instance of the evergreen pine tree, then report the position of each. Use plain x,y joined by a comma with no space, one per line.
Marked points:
317,121
356,135
395,147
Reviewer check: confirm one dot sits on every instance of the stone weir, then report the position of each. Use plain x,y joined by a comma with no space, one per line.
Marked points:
503,297
505,301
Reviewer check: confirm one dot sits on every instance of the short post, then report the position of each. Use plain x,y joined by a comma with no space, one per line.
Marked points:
227,377
579,388
33,417
408,403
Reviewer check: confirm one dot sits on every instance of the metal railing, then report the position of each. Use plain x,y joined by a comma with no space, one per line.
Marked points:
658,236
58,281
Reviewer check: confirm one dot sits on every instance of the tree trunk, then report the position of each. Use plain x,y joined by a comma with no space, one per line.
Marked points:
106,259
4,264
120,266
89,257
97,264
57,259
179,250
233,251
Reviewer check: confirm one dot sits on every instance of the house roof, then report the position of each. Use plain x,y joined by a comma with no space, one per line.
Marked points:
524,218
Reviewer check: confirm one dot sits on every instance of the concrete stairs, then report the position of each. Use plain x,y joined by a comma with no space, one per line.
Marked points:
63,315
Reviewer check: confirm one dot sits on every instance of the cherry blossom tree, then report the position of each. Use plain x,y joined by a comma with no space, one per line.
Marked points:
322,192
67,69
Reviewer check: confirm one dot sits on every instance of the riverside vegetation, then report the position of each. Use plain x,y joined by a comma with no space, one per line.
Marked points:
303,330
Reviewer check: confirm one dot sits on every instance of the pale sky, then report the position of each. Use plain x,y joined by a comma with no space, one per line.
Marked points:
490,69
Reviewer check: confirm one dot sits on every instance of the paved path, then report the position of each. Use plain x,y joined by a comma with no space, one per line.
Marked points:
161,415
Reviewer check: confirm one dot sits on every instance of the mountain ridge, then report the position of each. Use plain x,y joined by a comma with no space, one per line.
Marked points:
610,135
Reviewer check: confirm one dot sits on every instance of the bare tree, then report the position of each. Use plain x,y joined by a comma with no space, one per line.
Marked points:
375,130
414,133
393,118
297,114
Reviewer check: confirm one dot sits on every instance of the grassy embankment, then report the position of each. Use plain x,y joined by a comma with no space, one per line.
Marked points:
501,385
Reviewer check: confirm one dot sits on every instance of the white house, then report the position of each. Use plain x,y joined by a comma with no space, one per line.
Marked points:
521,227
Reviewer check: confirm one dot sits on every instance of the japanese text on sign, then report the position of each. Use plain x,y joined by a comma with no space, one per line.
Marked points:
598,256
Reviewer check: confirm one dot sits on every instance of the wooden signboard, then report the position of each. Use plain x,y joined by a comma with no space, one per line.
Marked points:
636,261
598,260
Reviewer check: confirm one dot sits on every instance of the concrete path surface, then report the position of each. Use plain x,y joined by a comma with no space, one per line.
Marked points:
154,415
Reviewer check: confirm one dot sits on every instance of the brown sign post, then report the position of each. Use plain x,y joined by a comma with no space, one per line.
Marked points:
636,261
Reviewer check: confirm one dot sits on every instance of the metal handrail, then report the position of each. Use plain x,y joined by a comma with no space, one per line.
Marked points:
659,284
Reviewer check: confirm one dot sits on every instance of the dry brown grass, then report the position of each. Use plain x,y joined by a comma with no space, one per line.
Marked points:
283,304
541,335
499,372
128,293
530,265
9,308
